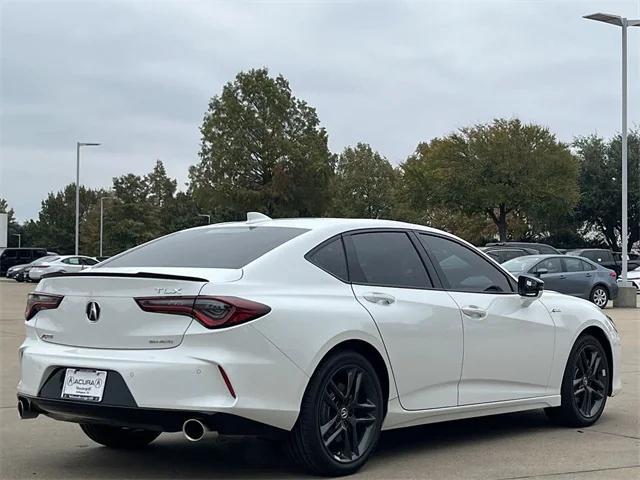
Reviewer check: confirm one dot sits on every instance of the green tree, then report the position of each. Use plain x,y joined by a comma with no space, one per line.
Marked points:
55,226
505,170
600,205
363,184
136,213
162,188
141,208
262,149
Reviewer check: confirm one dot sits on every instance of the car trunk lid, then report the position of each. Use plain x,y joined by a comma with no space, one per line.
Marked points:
99,308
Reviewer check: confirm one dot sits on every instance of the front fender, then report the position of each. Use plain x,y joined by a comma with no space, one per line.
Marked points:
572,316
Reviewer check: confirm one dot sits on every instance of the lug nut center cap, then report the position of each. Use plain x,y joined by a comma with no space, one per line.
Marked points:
344,413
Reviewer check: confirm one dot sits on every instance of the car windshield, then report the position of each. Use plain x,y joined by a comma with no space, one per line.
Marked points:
218,247
520,264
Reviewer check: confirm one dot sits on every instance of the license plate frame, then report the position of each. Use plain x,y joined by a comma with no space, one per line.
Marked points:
84,384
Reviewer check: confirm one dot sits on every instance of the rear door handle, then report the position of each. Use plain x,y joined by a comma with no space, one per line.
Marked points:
588,275
563,276
379,298
472,311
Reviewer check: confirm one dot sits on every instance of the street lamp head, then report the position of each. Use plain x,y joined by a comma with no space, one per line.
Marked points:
88,144
606,18
613,19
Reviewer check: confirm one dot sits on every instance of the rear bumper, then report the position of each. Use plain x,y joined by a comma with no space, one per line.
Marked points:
146,418
37,275
267,385
613,290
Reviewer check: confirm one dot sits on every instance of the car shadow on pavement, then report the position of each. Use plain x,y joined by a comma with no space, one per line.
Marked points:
171,456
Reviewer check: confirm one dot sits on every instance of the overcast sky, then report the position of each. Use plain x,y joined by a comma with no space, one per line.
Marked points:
137,76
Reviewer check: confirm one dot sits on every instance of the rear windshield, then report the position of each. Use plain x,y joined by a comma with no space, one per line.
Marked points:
42,260
226,247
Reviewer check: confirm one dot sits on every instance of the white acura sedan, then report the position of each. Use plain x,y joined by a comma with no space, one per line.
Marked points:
61,264
321,331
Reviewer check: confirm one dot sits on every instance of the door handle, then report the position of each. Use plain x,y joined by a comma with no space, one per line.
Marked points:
562,277
474,312
379,298
588,275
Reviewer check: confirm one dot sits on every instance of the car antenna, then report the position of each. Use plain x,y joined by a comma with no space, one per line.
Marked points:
254,217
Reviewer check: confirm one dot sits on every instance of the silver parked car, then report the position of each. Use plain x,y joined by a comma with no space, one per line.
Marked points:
61,264
577,276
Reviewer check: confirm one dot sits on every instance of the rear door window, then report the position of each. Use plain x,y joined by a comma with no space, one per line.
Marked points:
217,247
574,265
509,254
544,249
386,259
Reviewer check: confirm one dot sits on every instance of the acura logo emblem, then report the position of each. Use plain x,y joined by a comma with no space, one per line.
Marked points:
93,311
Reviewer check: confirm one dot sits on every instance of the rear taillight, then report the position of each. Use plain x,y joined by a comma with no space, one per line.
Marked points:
40,301
613,275
211,312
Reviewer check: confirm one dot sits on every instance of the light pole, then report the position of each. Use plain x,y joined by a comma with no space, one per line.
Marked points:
78,145
102,199
624,23
205,215
19,238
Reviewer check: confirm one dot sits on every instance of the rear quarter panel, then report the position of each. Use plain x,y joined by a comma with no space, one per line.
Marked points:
311,310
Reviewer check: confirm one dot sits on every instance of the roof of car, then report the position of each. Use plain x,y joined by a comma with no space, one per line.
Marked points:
590,250
322,223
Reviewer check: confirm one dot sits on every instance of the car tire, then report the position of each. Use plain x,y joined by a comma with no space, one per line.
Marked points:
585,385
342,407
119,437
599,296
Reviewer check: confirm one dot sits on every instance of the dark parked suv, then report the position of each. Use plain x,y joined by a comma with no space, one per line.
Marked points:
502,254
17,256
542,248
606,258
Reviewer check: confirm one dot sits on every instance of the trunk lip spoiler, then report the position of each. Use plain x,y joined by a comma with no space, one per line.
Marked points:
95,273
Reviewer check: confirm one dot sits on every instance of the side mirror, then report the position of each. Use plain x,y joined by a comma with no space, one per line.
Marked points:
530,287
541,271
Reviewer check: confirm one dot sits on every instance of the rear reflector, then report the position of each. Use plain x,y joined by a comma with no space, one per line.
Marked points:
227,382
211,312
40,301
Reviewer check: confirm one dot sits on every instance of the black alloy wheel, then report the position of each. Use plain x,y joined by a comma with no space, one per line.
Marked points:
348,413
589,380
340,417
585,385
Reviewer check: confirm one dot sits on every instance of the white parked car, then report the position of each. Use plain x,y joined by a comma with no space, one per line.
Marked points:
61,264
634,277
321,331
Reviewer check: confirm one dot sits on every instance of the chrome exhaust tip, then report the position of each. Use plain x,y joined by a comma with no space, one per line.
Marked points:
24,409
194,430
